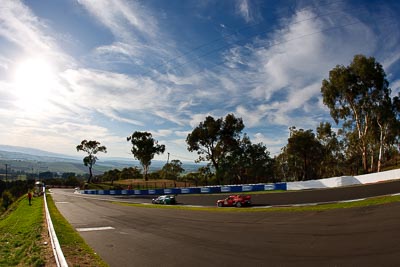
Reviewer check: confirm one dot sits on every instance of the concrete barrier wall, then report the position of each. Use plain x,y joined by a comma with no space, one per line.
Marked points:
311,184
192,190
345,180
379,177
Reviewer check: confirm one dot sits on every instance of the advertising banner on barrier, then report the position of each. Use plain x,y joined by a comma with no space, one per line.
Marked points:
185,190
225,189
268,187
168,191
205,190
193,190
246,188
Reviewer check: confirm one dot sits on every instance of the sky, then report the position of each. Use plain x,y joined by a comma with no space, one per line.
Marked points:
100,70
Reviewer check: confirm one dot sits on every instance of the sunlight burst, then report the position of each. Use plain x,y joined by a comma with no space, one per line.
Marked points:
34,80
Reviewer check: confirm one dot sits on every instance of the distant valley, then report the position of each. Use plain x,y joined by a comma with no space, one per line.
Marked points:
28,160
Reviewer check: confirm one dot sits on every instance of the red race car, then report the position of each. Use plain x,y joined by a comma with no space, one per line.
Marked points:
235,201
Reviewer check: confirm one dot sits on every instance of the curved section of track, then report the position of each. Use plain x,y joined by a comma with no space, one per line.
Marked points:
305,196
135,236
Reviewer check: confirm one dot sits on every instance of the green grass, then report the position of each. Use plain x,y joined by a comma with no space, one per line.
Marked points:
322,207
76,251
375,201
20,234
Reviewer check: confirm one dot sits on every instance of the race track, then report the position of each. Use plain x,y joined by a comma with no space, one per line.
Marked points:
137,236
305,196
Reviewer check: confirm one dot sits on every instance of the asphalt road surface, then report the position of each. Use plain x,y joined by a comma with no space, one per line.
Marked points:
136,236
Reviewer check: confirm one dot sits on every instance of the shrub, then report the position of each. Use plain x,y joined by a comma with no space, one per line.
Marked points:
6,199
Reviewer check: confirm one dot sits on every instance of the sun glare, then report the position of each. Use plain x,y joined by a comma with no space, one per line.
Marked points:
33,79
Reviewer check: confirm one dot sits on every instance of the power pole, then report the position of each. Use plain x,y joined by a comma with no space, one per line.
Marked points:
166,169
6,172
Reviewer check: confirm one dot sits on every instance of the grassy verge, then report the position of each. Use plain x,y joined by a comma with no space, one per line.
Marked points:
20,234
355,204
76,251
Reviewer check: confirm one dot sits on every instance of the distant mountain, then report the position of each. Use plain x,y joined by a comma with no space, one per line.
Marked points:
21,152
32,160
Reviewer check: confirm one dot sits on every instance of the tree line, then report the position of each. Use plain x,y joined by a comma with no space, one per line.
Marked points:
359,100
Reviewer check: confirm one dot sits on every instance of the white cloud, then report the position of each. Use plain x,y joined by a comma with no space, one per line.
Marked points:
108,92
392,59
118,52
395,86
4,63
81,130
250,118
112,115
121,17
182,133
112,90
273,145
298,97
20,26
246,11
134,28
162,133
170,117
197,118
290,61
294,60
233,57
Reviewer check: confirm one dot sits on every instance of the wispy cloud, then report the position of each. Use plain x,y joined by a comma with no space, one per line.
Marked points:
286,69
122,18
21,27
244,9
273,144
134,28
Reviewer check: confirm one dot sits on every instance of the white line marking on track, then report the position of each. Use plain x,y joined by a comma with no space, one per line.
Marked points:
94,229
351,200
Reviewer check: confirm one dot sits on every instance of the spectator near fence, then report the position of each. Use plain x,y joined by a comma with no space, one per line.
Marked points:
30,198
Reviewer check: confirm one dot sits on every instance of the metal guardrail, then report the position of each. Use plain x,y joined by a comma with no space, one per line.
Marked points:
58,254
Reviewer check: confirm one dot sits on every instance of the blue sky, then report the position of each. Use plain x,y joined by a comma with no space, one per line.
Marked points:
81,69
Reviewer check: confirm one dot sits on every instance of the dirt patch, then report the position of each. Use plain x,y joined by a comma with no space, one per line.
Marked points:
77,257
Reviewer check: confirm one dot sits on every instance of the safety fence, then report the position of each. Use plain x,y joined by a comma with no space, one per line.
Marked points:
192,190
300,185
58,254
